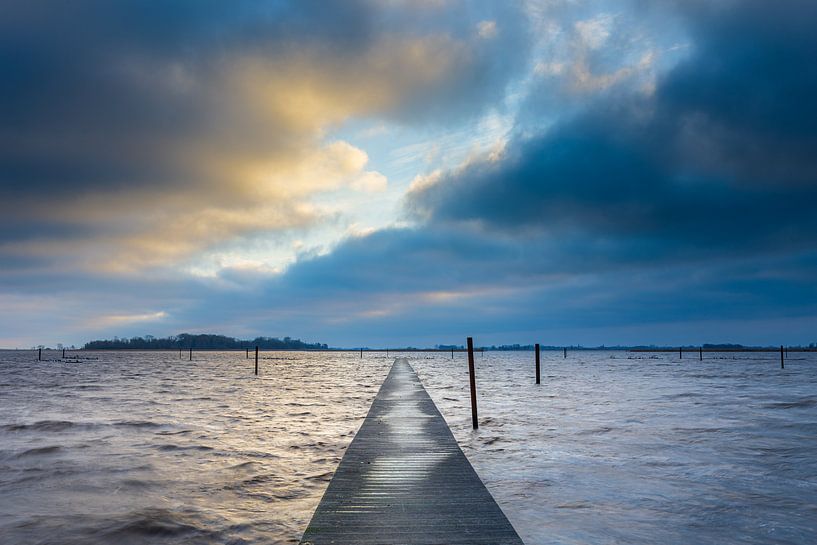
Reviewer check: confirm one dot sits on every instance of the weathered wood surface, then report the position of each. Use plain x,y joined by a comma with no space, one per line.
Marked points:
404,480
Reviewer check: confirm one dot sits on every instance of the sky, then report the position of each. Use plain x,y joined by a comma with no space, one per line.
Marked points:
409,172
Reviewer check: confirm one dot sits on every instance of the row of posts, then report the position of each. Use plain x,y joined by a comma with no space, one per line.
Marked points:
473,383
784,352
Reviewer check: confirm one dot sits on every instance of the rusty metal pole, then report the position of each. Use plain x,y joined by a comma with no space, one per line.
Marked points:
537,363
473,383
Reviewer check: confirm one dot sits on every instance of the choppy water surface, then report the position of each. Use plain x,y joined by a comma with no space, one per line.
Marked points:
639,448
143,447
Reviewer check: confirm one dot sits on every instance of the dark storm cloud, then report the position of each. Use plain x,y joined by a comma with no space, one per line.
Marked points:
722,157
407,284
103,96
88,97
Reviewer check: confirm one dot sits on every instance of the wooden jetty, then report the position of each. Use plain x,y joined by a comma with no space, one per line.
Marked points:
404,480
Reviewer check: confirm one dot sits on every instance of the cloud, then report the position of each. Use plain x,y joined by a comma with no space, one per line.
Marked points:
434,285
657,185
610,216
487,29
718,159
120,319
137,136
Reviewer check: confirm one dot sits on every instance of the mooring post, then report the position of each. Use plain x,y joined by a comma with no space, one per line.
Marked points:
537,363
191,354
782,365
256,359
248,353
63,353
39,354
701,352
681,352
452,353
565,352
473,383
361,353
180,352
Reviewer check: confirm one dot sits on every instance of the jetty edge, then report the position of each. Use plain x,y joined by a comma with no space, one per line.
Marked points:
404,480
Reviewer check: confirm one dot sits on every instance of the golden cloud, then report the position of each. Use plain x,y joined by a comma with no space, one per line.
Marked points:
253,160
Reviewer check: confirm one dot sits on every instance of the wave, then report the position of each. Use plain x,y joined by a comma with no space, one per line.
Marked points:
64,425
39,451
137,424
800,403
45,425
184,447
596,431
153,523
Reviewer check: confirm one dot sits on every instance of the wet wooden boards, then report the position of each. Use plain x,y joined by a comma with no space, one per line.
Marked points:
404,480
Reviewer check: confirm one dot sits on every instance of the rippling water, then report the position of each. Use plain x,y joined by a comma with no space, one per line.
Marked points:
638,448
140,447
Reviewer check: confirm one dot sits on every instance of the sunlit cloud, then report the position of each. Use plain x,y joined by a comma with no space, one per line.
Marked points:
233,142
126,319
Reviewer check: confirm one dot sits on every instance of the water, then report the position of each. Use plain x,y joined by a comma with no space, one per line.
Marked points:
611,448
144,447
615,447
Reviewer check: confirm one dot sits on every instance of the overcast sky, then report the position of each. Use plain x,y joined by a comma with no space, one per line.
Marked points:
409,172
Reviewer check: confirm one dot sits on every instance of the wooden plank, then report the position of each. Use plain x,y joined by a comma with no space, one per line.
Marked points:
404,480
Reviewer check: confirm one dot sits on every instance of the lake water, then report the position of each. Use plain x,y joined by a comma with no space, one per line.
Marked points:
612,447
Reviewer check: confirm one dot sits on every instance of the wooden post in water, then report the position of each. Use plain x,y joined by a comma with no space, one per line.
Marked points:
565,352
180,352
248,353
473,381
361,353
680,352
256,359
63,353
191,354
701,352
452,353
39,354
782,365
537,363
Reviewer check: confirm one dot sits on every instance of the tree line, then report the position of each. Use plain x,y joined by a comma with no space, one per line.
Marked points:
201,342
